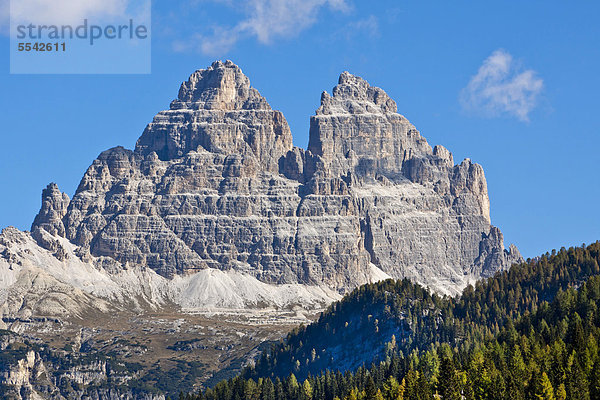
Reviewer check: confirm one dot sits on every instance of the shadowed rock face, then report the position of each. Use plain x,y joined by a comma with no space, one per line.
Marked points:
215,182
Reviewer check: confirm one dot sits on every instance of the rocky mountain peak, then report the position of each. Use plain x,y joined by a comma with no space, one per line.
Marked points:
357,131
218,111
354,95
222,86
54,207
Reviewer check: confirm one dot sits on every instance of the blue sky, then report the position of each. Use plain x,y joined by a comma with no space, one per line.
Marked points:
512,85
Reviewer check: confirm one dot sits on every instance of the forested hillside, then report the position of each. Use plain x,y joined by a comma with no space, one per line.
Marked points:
549,354
525,331
397,317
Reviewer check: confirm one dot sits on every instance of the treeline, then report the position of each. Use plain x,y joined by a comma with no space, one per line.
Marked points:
358,329
549,354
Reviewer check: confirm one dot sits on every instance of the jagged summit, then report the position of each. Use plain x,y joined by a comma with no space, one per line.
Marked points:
54,208
354,95
359,133
217,110
222,86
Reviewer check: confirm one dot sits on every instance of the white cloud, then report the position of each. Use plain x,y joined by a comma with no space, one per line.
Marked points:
269,19
502,87
368,26
265,20
61,12
217,43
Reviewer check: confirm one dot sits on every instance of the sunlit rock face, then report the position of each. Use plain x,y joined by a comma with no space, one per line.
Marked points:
215,182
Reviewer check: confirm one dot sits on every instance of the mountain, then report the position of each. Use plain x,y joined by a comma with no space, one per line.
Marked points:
215,183
215,234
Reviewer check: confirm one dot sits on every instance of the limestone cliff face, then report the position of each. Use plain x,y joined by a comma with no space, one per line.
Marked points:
214,182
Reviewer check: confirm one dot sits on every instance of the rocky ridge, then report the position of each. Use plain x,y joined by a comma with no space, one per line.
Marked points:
215,182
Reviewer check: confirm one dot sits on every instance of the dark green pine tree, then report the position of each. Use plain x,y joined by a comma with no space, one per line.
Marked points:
449,386
370,389
267,390
279,389
292,388
542,387
595,382
578,387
